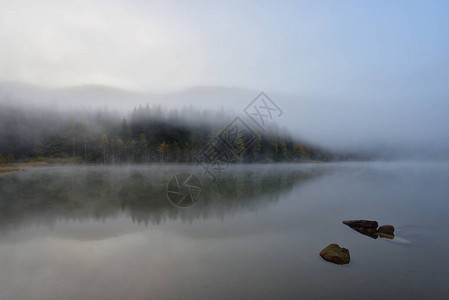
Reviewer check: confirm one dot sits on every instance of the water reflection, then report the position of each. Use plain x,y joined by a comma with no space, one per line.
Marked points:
265,227
46,195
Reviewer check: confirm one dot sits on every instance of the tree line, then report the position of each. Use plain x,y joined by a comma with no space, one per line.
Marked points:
147,135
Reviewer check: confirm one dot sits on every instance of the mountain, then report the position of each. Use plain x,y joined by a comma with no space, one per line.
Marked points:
95,96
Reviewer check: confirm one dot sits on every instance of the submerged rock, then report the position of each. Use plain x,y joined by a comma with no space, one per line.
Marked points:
387,229
368,225
385,235
368,228
335,254
368,232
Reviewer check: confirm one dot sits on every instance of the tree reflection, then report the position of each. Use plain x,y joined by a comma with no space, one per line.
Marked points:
97,193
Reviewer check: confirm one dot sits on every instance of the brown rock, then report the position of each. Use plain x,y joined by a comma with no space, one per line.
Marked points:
335,254
362,223
368,232
387,229
365,227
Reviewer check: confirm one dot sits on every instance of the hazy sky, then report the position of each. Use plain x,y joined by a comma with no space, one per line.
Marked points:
372,57
331,47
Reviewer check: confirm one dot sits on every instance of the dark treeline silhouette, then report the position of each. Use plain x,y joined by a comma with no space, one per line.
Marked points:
147,135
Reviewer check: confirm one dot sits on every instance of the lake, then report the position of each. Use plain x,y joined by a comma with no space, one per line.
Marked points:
120,232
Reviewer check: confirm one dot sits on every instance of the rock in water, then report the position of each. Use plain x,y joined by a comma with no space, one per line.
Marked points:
335,254
385,235
368,232
362,223
368,228
387,229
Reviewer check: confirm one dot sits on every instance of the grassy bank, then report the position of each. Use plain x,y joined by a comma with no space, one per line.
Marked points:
8,169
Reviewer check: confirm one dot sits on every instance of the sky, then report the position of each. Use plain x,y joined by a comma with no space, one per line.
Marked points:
389,57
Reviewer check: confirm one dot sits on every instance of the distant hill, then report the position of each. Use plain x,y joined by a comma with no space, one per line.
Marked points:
94,96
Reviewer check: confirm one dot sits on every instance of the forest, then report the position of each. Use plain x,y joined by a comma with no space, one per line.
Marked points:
146,135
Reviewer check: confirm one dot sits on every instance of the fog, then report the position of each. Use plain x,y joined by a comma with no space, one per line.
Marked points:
359,77
172,149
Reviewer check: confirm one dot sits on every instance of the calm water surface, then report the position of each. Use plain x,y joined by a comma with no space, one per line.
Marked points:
111,233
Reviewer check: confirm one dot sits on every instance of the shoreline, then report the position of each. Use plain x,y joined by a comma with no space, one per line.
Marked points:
20,166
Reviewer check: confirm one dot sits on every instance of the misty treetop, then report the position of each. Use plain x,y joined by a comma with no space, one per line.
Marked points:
147,135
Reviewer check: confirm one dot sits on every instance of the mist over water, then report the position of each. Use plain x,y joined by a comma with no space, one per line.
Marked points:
212,149
256,231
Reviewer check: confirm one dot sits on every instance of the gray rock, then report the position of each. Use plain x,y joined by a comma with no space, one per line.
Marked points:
335,254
